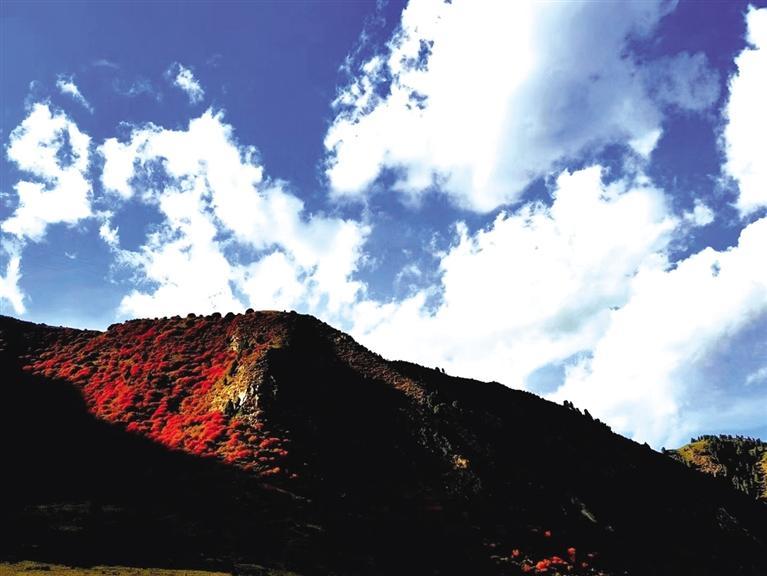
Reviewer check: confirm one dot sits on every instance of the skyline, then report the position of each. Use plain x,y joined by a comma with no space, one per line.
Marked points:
569,198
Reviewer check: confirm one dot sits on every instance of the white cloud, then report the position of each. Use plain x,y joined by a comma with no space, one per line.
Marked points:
104,63
51,148
110,235
221,215
118,169
685,81
585,286
757,377
700,215
744,137
9,283
67,86
273,279
487,96
645,144
536,287
182,262
650,374
184,79
483,100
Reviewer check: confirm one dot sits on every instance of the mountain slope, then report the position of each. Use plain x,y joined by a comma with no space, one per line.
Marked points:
740,461
272,440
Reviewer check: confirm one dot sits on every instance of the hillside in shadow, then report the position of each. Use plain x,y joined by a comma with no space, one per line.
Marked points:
271,440
80,491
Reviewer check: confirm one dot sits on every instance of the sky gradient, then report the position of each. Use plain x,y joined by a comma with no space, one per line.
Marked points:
566,197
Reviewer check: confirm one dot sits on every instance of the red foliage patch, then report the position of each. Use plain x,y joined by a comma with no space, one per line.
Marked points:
547,563
157,378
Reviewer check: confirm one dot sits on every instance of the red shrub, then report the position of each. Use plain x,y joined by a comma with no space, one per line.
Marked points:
157,379
268,443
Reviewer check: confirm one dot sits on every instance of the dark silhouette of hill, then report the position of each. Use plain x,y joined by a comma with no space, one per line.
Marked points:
740,461
271,441
81,491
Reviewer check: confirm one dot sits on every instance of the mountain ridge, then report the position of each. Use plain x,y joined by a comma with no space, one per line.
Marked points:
366,466
741,461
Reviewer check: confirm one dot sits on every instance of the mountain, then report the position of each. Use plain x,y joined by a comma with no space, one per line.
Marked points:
740,461
270,443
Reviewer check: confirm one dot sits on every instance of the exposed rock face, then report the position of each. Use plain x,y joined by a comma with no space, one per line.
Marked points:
271,439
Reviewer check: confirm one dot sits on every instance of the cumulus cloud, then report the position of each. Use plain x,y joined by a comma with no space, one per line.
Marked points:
650,374
54,156
182,262
744,139
216,204
184,79
480,98
535,287
579,300
67,86
49,147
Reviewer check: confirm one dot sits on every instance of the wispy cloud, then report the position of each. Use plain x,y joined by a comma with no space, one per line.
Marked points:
104,63
684,80
9,282
67,86
757,377
184,79
136,87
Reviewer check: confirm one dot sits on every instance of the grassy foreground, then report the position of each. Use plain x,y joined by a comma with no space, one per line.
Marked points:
43,569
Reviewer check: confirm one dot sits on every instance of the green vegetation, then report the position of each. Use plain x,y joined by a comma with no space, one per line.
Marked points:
739,459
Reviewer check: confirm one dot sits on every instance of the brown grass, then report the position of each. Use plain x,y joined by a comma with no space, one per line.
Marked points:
43,569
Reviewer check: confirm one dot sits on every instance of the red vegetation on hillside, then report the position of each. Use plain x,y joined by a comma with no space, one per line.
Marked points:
403,469
544,556
175,381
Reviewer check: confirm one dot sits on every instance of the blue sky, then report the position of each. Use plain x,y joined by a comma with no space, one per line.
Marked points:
565,197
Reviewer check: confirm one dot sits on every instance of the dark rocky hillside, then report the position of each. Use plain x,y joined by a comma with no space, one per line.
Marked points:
737,460
270,442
